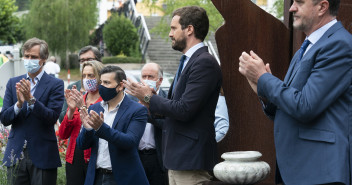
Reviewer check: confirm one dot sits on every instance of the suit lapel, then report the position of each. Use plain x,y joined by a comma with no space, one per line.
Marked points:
42,85
122,109
290,69
295,67
186,68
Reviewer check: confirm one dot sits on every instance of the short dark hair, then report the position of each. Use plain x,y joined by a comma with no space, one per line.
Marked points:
95,50
334,6
195,16
44,48
119,73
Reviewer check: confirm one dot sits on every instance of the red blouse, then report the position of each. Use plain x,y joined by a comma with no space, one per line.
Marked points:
70,129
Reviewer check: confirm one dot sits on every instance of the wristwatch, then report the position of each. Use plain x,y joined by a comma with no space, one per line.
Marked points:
146,98
32,101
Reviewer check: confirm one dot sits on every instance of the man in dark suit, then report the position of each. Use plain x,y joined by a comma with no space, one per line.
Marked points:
113,129
87,53
150,144
311,108
31,106
188,140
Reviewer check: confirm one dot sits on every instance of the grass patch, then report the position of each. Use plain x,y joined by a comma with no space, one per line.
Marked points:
61,174
75,75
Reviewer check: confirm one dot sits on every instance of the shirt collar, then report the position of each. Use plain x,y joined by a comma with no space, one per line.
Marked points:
317,34
39,76
193,49
105,105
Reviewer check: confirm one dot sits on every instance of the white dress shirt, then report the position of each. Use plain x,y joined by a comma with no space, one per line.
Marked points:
147,141
103,159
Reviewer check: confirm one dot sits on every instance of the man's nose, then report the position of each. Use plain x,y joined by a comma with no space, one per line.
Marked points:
293,8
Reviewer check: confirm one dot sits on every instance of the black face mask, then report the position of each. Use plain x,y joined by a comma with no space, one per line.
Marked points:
107,93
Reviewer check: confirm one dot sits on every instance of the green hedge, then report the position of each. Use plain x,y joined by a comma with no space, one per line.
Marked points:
114,60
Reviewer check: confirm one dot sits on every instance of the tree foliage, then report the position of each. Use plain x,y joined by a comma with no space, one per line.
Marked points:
63,24
278,9
120,35
163,28
10,25
22,5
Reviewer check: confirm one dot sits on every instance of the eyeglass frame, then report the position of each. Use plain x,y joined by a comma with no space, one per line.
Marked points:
86,59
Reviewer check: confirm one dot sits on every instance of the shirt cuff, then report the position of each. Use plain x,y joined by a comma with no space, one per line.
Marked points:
16,109
88,129
31,107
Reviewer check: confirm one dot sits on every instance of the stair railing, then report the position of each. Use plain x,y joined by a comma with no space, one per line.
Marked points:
139,22
212,50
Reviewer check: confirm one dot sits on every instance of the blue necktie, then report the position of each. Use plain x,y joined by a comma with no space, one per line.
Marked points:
179,71
303,48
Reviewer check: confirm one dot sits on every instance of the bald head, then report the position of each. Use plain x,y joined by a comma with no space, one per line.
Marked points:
152,71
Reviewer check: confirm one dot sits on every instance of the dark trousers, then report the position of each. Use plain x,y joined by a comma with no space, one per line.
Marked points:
155,175
76,172
25,173
102,178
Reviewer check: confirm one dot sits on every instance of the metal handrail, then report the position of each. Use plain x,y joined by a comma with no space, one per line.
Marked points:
212,50
142,29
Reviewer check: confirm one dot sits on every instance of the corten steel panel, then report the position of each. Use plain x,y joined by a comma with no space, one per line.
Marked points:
248,27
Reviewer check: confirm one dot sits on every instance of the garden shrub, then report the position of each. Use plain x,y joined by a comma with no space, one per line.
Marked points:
120,35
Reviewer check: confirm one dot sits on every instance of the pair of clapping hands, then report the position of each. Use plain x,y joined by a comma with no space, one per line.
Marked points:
23,92
91,120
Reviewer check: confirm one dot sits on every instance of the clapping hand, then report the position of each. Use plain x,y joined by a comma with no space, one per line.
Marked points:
23,92
92,120
77,97
95,120
85,118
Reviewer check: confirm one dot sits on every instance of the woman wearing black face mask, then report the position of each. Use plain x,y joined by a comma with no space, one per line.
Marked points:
76,159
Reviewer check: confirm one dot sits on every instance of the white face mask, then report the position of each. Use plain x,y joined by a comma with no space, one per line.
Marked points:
31,65
90,85
151,83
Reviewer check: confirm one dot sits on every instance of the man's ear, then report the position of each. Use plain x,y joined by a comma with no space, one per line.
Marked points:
190,30
323,7
121,86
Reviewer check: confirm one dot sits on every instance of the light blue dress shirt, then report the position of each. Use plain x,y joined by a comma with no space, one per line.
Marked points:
221,123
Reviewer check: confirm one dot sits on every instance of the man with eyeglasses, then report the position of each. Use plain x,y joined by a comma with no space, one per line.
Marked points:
87,53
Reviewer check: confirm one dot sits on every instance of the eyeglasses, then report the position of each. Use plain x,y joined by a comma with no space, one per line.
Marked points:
85,59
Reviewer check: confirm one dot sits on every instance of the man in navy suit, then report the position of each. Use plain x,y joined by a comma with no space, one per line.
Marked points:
188,138
32,106
113,129
311,108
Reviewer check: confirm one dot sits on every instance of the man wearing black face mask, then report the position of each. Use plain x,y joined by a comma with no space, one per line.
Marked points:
113,128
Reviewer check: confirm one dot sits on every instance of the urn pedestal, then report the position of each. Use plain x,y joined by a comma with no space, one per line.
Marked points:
241,168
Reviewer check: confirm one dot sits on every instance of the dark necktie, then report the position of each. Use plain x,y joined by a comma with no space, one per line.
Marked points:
178,74
303,48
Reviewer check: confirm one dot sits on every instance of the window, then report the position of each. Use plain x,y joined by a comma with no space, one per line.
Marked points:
262,2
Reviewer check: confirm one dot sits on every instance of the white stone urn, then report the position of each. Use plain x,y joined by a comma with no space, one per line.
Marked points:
241,167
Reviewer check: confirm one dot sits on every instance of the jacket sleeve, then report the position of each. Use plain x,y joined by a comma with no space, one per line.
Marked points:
67,125
7,115
329,78
85,139
133,135
204,80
